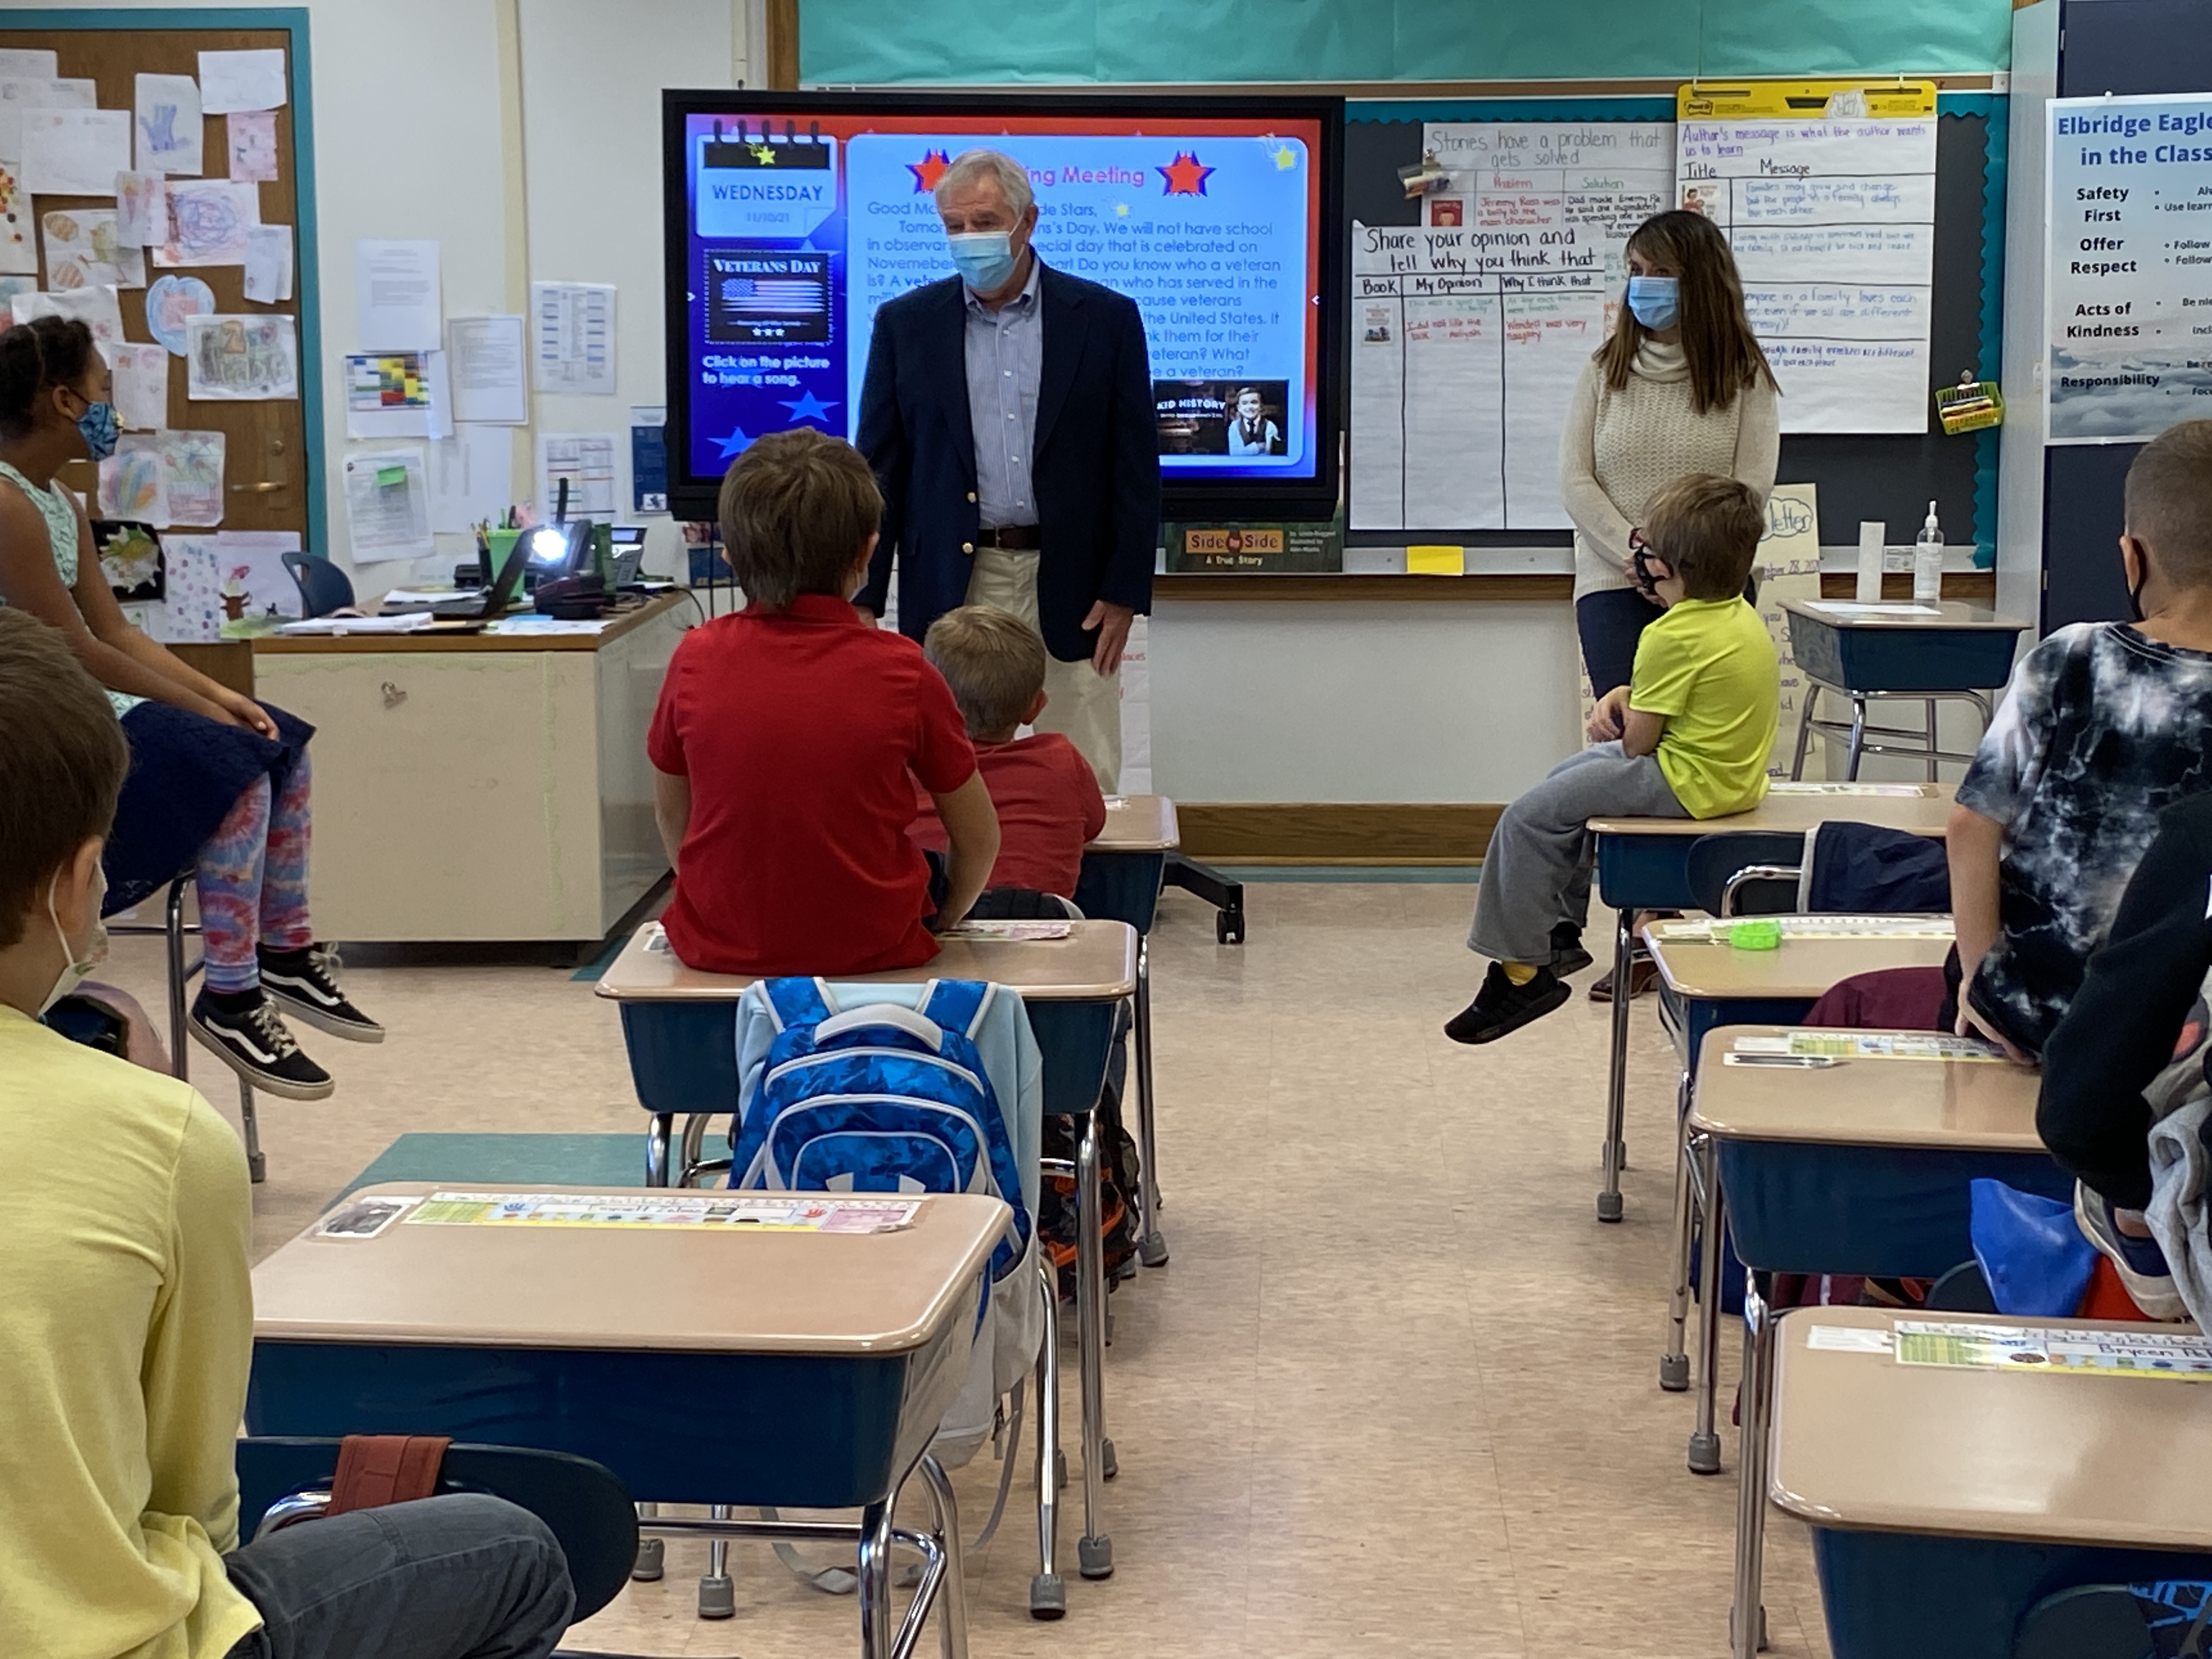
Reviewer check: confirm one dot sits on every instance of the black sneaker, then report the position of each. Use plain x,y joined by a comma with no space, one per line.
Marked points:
249,1038
1501,1006
1568,955
305,982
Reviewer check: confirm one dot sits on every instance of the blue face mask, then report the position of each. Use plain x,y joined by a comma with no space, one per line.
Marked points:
97,423
984,258
1657,301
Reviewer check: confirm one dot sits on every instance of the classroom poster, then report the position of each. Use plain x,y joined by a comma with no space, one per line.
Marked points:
1469,330
2128,272
1790,569
1826,190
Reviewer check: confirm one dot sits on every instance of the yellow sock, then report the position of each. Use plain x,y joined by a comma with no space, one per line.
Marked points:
1518,973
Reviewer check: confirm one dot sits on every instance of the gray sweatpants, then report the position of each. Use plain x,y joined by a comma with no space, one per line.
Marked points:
1537,873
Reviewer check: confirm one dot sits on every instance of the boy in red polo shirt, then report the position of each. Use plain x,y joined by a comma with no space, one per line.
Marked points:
1045,792
785,736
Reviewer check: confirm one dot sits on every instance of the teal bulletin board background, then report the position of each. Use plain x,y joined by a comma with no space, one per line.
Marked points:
1185,41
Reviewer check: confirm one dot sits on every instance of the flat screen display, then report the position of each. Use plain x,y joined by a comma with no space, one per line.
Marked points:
793,217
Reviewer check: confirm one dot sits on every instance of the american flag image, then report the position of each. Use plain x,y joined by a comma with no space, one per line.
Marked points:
774,296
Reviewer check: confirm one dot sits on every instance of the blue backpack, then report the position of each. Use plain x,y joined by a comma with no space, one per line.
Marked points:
880,1099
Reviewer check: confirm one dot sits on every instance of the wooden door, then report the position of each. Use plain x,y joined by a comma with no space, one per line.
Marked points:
265,484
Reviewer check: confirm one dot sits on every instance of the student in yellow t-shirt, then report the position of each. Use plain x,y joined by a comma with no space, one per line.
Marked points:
1688,737
126,1314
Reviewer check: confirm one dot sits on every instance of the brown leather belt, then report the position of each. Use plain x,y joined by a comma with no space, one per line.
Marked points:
1011,538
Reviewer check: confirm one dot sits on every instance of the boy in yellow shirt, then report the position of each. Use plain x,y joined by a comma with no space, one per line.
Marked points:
1688,737
126,1314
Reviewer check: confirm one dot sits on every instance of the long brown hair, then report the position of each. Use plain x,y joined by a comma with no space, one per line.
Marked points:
1723,354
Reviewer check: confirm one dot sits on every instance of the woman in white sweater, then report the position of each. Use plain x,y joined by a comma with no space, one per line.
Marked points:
1679,386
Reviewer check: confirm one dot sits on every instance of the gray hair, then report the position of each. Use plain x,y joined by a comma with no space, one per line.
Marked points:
972,165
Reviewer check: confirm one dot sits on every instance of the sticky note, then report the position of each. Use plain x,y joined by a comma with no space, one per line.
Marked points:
390,475
1435,561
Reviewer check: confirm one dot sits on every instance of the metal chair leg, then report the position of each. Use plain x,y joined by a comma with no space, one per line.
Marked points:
1930,705
255,1165
875,1586
1673,1361
659,1129
717,1594
1048,1590
1747,1615
953,1588
1705,1456
651,1552
173,931
1858,739
1812,695
1094,1551
1615,1151
1152,1244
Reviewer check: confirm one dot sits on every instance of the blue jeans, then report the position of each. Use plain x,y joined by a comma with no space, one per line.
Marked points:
1610,624
462,1577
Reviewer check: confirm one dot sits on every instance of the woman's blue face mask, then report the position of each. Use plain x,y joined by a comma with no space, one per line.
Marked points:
1656,302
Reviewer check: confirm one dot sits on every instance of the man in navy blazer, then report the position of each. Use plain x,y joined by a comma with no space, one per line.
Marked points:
1008,415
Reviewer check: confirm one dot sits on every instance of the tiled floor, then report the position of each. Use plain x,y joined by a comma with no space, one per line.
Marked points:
1395,1393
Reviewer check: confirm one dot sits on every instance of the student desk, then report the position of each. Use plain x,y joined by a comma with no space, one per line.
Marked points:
1122,872
701,1365
679,1024
1940,652
1861,1168
1946,1501
481,786
1703,986
1643,864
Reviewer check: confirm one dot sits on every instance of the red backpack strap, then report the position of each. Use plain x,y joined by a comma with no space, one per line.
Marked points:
376,1469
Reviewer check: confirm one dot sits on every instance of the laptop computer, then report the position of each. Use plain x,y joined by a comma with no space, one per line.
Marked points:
486,603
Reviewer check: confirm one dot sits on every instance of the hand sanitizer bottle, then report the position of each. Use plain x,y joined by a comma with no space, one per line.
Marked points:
1928,562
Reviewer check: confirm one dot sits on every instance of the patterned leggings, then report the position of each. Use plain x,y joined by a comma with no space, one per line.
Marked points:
253,877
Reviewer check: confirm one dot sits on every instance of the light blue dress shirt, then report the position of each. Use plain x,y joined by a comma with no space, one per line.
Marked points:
1005,361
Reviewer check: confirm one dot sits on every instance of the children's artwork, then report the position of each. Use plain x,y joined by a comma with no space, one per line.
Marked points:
82,250
241,79
131,556
18,95
75,152
173,301
195,583
132,483
241,359
209,219
268,265
142,383
142,209
252,144
168,123
96,307
192,464
19,246
252,562
9,288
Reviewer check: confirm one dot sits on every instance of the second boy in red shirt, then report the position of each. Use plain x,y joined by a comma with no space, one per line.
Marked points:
1045,792
789,738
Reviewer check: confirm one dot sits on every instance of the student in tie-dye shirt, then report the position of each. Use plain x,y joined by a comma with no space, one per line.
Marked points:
218,783
2105,726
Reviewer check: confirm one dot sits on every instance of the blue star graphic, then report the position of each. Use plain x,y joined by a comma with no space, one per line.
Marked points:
808,407
733,444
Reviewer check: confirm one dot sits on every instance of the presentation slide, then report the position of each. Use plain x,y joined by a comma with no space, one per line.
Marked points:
800,221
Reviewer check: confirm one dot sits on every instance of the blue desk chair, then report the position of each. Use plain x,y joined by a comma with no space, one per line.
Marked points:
323,587
284,1480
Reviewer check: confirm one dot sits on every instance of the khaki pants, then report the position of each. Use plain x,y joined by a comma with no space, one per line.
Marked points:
1082,704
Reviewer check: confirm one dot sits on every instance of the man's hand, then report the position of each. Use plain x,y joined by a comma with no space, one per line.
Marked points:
247,713
1606,719
1112,621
